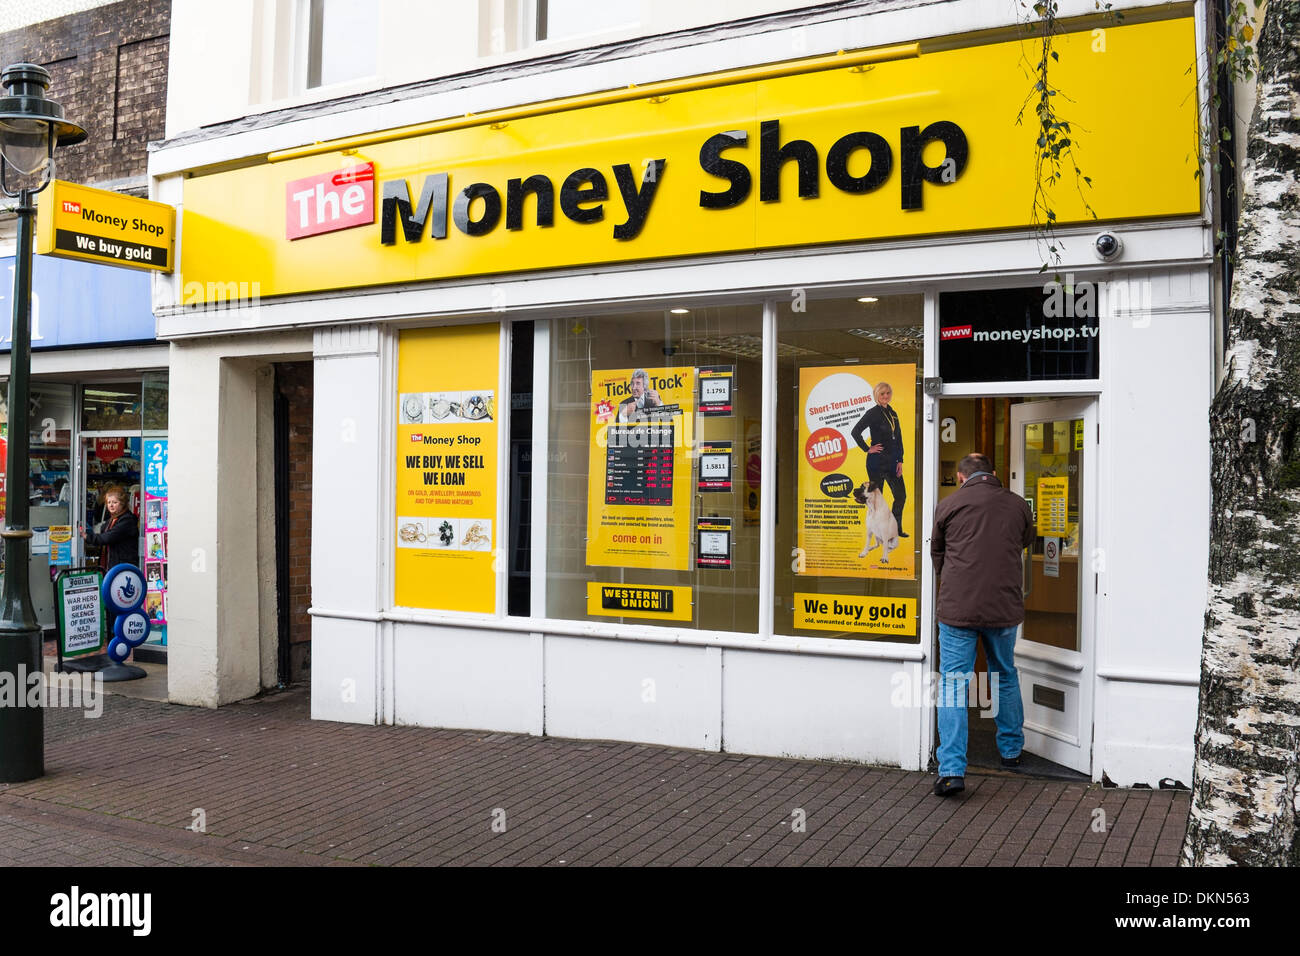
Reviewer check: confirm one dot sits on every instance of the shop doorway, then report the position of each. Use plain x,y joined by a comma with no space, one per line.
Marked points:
1044,450
293,409
106,461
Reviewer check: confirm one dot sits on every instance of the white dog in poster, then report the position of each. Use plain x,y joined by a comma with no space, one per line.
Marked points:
881,523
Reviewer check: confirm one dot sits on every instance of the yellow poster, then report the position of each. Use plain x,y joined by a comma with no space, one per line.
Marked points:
671,603
639,478
1053,496
447,430
856,471
847,612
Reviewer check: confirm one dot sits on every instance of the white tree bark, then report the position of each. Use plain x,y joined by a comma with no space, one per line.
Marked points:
1246,785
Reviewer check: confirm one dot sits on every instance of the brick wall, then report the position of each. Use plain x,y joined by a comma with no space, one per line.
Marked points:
109,70
294,380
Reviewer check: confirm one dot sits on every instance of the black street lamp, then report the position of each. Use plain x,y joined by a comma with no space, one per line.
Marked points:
30,127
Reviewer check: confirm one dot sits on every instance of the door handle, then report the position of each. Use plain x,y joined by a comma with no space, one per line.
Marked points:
1027,572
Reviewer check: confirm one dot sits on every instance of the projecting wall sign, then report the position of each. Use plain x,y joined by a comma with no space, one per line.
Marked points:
98,225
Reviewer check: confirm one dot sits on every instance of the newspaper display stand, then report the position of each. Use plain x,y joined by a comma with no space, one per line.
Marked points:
81,621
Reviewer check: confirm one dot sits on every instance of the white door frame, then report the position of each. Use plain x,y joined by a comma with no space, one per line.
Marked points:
1063,737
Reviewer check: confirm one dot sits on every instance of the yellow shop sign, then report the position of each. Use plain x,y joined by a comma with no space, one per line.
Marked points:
79,222
909,146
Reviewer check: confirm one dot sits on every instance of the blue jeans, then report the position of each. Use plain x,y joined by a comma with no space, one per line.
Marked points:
957,657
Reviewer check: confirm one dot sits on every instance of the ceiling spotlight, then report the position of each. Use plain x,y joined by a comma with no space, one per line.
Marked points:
680,311
868,298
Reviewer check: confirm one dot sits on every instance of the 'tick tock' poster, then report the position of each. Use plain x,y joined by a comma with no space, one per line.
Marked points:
856,471
639,477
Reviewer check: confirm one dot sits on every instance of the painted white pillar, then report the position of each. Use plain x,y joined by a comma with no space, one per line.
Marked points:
349,571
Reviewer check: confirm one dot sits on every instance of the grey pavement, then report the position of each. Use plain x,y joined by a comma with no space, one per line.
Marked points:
259,783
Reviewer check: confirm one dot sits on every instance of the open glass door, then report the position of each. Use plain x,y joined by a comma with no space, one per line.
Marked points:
107,461
1052,467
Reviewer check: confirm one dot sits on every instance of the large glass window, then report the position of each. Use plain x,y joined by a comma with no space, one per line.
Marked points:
563,18
652,510
49,492
848,559
342,40
111,408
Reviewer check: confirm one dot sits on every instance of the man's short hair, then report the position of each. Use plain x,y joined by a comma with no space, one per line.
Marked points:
974,462
640,373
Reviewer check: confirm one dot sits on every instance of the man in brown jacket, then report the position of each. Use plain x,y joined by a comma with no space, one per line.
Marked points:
979,533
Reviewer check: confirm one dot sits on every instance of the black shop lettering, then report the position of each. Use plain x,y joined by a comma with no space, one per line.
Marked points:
858,162
445,469
774,154
619,389
847,609
582,196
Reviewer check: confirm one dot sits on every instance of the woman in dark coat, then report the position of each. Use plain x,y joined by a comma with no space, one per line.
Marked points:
119,534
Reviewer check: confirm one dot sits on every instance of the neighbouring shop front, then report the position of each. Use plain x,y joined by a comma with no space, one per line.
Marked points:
98,416
663,413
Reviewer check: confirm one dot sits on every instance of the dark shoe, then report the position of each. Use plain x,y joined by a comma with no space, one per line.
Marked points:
947,786
1012,762
903,534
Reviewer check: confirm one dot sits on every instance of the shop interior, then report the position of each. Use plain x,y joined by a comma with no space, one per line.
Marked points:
83,439
1051,599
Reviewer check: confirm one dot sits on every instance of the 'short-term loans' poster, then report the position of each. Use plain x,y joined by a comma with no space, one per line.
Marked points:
639,477
447,412
856,470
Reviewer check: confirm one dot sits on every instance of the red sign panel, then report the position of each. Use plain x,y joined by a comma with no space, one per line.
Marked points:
109,450
329,202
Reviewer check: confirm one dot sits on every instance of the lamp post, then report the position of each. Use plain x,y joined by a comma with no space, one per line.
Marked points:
30,128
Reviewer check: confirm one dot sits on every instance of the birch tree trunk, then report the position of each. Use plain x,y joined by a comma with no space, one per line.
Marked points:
1246,786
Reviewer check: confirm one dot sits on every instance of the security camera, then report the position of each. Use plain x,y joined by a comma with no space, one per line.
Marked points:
1107,246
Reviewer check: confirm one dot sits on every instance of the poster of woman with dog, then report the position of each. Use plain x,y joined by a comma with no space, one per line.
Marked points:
856,516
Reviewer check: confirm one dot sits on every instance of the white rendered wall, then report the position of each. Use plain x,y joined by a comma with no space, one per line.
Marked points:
825,708
467,677
701,697
1154,495
624,690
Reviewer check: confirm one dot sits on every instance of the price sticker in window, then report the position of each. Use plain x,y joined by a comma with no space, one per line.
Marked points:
715,389
713,543
715,466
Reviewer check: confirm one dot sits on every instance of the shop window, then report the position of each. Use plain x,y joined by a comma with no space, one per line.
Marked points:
49,489
154,389
505,26
111,408
153,517
848,468
520,543
557,19
341,40
652,471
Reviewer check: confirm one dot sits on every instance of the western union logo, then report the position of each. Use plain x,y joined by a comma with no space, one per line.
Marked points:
656,600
